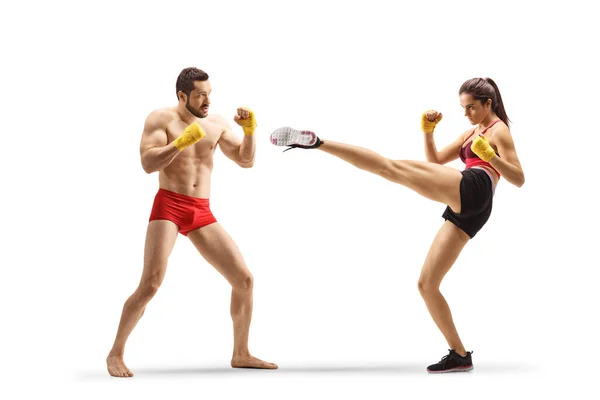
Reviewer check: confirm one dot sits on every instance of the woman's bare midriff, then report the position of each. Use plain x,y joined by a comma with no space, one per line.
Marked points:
492,173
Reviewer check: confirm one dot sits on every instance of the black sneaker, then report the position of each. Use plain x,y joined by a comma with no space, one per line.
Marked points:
295,138
453,362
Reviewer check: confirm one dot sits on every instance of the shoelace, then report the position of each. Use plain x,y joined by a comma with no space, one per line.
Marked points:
451,352
313,146
445,359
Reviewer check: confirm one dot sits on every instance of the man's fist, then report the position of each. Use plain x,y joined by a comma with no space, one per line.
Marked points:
245,119
192,134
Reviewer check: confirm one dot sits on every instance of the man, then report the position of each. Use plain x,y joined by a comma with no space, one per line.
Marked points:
179,143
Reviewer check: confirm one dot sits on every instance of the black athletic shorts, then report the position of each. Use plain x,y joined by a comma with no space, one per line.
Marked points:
476,194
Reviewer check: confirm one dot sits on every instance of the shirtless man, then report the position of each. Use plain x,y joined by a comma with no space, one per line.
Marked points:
179,143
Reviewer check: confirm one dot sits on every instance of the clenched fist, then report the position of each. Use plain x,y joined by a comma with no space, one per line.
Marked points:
245,119
429,120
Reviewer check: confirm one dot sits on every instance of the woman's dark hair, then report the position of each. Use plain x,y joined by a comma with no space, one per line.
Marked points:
483,89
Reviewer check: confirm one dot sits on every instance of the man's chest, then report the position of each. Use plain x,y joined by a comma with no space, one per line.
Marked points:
212,130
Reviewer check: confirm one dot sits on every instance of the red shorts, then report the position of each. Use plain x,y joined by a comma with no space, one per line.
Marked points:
187,212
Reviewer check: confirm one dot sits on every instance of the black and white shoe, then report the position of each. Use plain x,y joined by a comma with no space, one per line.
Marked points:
294,138
453,362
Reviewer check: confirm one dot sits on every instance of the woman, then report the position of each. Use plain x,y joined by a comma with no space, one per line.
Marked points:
488,152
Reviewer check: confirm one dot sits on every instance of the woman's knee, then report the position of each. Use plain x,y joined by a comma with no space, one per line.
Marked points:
393,170
427,286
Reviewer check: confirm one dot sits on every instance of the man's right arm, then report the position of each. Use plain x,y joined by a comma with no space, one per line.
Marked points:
155,153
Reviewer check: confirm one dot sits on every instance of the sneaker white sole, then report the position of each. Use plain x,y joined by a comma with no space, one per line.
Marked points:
457,369
287,136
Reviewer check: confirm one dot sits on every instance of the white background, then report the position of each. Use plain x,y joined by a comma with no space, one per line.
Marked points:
335,251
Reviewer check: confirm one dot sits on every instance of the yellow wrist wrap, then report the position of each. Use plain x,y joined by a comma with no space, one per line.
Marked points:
428,126
248,125
191,135
482,148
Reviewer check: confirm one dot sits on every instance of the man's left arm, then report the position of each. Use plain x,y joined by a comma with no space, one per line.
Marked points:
241,152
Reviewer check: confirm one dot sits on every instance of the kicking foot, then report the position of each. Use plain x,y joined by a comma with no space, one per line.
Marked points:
116,367
249,361
293,138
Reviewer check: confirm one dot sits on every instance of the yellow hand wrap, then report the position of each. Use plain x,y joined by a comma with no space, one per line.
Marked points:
249,124
428,126
191,135
482,148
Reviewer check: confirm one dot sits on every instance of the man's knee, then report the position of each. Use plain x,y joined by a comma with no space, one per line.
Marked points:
148,287
244,282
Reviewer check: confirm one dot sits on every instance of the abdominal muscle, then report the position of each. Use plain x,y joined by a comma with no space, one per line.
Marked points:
188,175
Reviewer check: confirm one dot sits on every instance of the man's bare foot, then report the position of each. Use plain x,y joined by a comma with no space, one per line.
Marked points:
116,367
248,361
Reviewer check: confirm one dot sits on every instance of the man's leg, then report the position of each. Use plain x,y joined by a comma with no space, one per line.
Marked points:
160,239
219,249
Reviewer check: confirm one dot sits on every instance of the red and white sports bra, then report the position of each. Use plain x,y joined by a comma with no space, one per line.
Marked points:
470,159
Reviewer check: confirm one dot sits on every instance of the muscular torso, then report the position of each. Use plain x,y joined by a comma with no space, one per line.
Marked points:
190,172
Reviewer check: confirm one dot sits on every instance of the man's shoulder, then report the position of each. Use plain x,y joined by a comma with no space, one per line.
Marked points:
165,112
161,116
219,121
216,119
